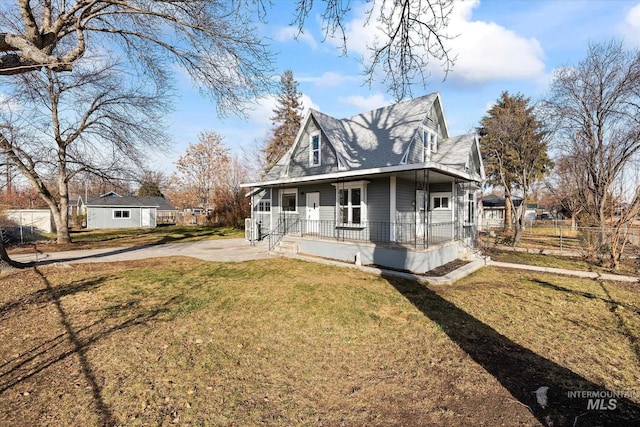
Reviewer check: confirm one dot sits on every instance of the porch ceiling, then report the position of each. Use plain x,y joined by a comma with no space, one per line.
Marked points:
434,178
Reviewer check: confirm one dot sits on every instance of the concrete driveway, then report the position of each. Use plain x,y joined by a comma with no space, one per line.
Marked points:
227,250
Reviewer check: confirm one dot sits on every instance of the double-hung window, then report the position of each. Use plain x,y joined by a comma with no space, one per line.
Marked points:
290,200
264,206
351,203
471,208
121,214
314,149
440,201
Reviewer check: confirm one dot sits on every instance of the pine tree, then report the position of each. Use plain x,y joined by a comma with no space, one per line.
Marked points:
286,120
514,151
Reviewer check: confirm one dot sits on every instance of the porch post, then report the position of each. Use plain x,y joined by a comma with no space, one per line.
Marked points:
427,206
252,238
392,208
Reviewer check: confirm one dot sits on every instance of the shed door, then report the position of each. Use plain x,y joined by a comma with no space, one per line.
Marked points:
313,212
145,217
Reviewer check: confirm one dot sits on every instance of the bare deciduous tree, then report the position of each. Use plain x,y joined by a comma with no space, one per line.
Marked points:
562,184
85,122
216,41
413,32
596,105
202,169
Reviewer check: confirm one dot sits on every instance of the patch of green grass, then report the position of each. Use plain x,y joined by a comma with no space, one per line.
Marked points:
94,239
627,266
286,342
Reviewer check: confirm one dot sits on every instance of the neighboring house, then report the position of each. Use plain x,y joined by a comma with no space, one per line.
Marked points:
114,211
492,211
388,187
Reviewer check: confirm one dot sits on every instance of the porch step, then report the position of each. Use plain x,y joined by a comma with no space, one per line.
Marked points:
287,247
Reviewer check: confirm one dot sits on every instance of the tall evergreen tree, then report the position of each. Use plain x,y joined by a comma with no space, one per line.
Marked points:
514,150
286,120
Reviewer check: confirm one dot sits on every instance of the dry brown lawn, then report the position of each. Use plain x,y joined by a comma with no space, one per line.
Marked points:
285,342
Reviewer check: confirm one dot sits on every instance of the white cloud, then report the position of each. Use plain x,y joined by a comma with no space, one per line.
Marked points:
287,34
330,79
485,51
630,28
369,103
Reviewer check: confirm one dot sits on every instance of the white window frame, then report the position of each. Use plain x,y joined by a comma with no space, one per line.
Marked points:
441,196
312,150
263,206
471,208
285,191
349,187
429,143
433,142
122,211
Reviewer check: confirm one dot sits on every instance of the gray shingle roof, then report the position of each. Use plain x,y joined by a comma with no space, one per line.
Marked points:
160,203
379,137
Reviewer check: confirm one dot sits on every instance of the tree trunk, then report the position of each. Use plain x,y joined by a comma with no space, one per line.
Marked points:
6,261
520,218
507,212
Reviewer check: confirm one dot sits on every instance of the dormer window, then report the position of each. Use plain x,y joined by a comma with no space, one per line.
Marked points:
429,143
314,149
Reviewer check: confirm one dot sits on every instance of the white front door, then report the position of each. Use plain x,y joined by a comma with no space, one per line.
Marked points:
145,217
313,212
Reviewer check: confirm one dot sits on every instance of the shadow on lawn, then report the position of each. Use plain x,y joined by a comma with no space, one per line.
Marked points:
74,341
612,306
520,370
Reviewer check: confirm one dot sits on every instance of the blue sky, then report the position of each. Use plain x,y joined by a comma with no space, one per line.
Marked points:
501,45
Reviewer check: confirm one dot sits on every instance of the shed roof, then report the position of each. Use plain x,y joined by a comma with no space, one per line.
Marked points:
130,201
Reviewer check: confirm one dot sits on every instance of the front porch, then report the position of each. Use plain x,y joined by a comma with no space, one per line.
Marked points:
402,246
416,236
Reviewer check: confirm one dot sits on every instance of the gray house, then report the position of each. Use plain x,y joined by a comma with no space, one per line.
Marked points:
388,187
111,210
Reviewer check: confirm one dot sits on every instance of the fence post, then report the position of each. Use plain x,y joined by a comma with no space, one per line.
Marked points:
561,240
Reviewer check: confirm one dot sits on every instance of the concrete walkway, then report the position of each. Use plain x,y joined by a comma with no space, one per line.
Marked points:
238,250
224,250
575,273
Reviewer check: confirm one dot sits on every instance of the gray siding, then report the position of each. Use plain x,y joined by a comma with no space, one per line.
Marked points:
378,200
405,196
299,163
102,217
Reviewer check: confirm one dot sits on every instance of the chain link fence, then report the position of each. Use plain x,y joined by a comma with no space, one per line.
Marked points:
556,237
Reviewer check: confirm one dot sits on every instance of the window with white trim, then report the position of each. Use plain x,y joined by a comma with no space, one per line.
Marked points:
289,200
121,214
429,143
314,149
471,208
440,201
264,206
351,203
433,142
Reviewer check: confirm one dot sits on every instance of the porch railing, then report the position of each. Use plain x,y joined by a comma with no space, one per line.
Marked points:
412,234
284,226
